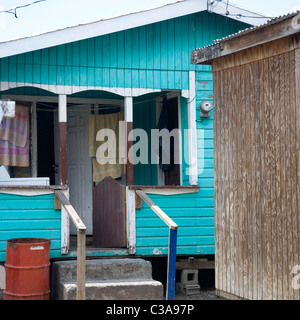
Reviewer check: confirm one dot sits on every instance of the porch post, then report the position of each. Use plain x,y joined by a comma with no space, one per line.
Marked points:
34,165
193,166
62,122
128,106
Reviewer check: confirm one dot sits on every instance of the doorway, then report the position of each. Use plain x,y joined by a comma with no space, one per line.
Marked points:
45,143
80,166
168,116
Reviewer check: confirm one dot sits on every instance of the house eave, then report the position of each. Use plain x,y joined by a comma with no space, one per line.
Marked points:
111,25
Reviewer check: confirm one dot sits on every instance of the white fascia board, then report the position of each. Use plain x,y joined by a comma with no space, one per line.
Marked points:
120,23
101,27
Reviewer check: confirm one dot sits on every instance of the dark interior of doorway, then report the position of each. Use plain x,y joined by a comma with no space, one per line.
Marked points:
45,140
172,174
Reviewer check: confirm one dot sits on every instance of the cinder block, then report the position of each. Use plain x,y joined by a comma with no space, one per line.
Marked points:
189,276
189,282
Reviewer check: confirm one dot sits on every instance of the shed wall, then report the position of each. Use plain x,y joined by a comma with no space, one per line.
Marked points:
257,191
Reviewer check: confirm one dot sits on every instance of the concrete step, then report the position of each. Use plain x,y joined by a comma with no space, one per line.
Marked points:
105,269
106,279
115,290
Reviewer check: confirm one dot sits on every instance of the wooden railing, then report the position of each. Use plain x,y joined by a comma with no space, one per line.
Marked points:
81,242
172,243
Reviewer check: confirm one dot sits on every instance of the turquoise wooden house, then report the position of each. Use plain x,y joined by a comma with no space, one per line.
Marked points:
124,70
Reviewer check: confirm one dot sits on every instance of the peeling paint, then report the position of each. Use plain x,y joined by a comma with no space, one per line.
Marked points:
203,83
157,251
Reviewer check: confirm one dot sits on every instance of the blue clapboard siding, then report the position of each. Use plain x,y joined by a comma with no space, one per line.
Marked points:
29,217
152,56
192,212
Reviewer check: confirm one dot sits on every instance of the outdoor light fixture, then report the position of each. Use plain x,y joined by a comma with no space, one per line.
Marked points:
205,107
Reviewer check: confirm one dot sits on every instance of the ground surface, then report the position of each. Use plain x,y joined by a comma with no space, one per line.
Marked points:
207,294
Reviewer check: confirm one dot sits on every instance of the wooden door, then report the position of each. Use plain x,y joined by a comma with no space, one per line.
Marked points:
109,222
80,167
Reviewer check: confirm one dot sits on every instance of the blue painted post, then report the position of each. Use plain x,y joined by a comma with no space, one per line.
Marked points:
171,264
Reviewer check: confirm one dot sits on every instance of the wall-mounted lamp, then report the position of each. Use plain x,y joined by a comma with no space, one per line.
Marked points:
205,106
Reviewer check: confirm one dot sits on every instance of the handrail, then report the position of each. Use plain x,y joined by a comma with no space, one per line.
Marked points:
81,242
172,242
166,219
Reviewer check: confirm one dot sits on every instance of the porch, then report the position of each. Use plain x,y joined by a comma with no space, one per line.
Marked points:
59,134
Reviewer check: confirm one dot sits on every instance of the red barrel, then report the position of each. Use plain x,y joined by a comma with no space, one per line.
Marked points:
27,269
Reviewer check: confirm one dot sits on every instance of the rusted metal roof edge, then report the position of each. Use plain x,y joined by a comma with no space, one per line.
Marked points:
206,54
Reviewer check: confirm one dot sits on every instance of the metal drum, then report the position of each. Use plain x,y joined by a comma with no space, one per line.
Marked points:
27,269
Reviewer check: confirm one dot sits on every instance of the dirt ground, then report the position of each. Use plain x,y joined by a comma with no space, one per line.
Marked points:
205,294
206,281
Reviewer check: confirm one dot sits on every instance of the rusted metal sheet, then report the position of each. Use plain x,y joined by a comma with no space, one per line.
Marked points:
109,224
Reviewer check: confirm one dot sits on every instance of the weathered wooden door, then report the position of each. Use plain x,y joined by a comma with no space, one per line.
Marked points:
80,167
109,219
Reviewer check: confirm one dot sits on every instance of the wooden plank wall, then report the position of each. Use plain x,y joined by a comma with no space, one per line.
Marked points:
28,217
109,221
193,213
152,56
257,186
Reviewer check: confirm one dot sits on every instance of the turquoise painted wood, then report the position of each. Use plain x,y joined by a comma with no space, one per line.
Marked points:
156,56
152,56
27,217
194,215
144,117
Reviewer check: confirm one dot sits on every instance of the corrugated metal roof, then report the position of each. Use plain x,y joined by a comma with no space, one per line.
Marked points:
255,28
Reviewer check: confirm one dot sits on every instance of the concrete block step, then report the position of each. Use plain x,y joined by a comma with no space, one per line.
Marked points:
104,269
115,290
106,279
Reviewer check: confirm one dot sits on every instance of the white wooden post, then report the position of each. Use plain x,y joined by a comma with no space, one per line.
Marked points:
62,119
193,174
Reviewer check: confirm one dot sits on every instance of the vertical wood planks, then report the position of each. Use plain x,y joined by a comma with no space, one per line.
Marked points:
109,214
257,192
295,147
